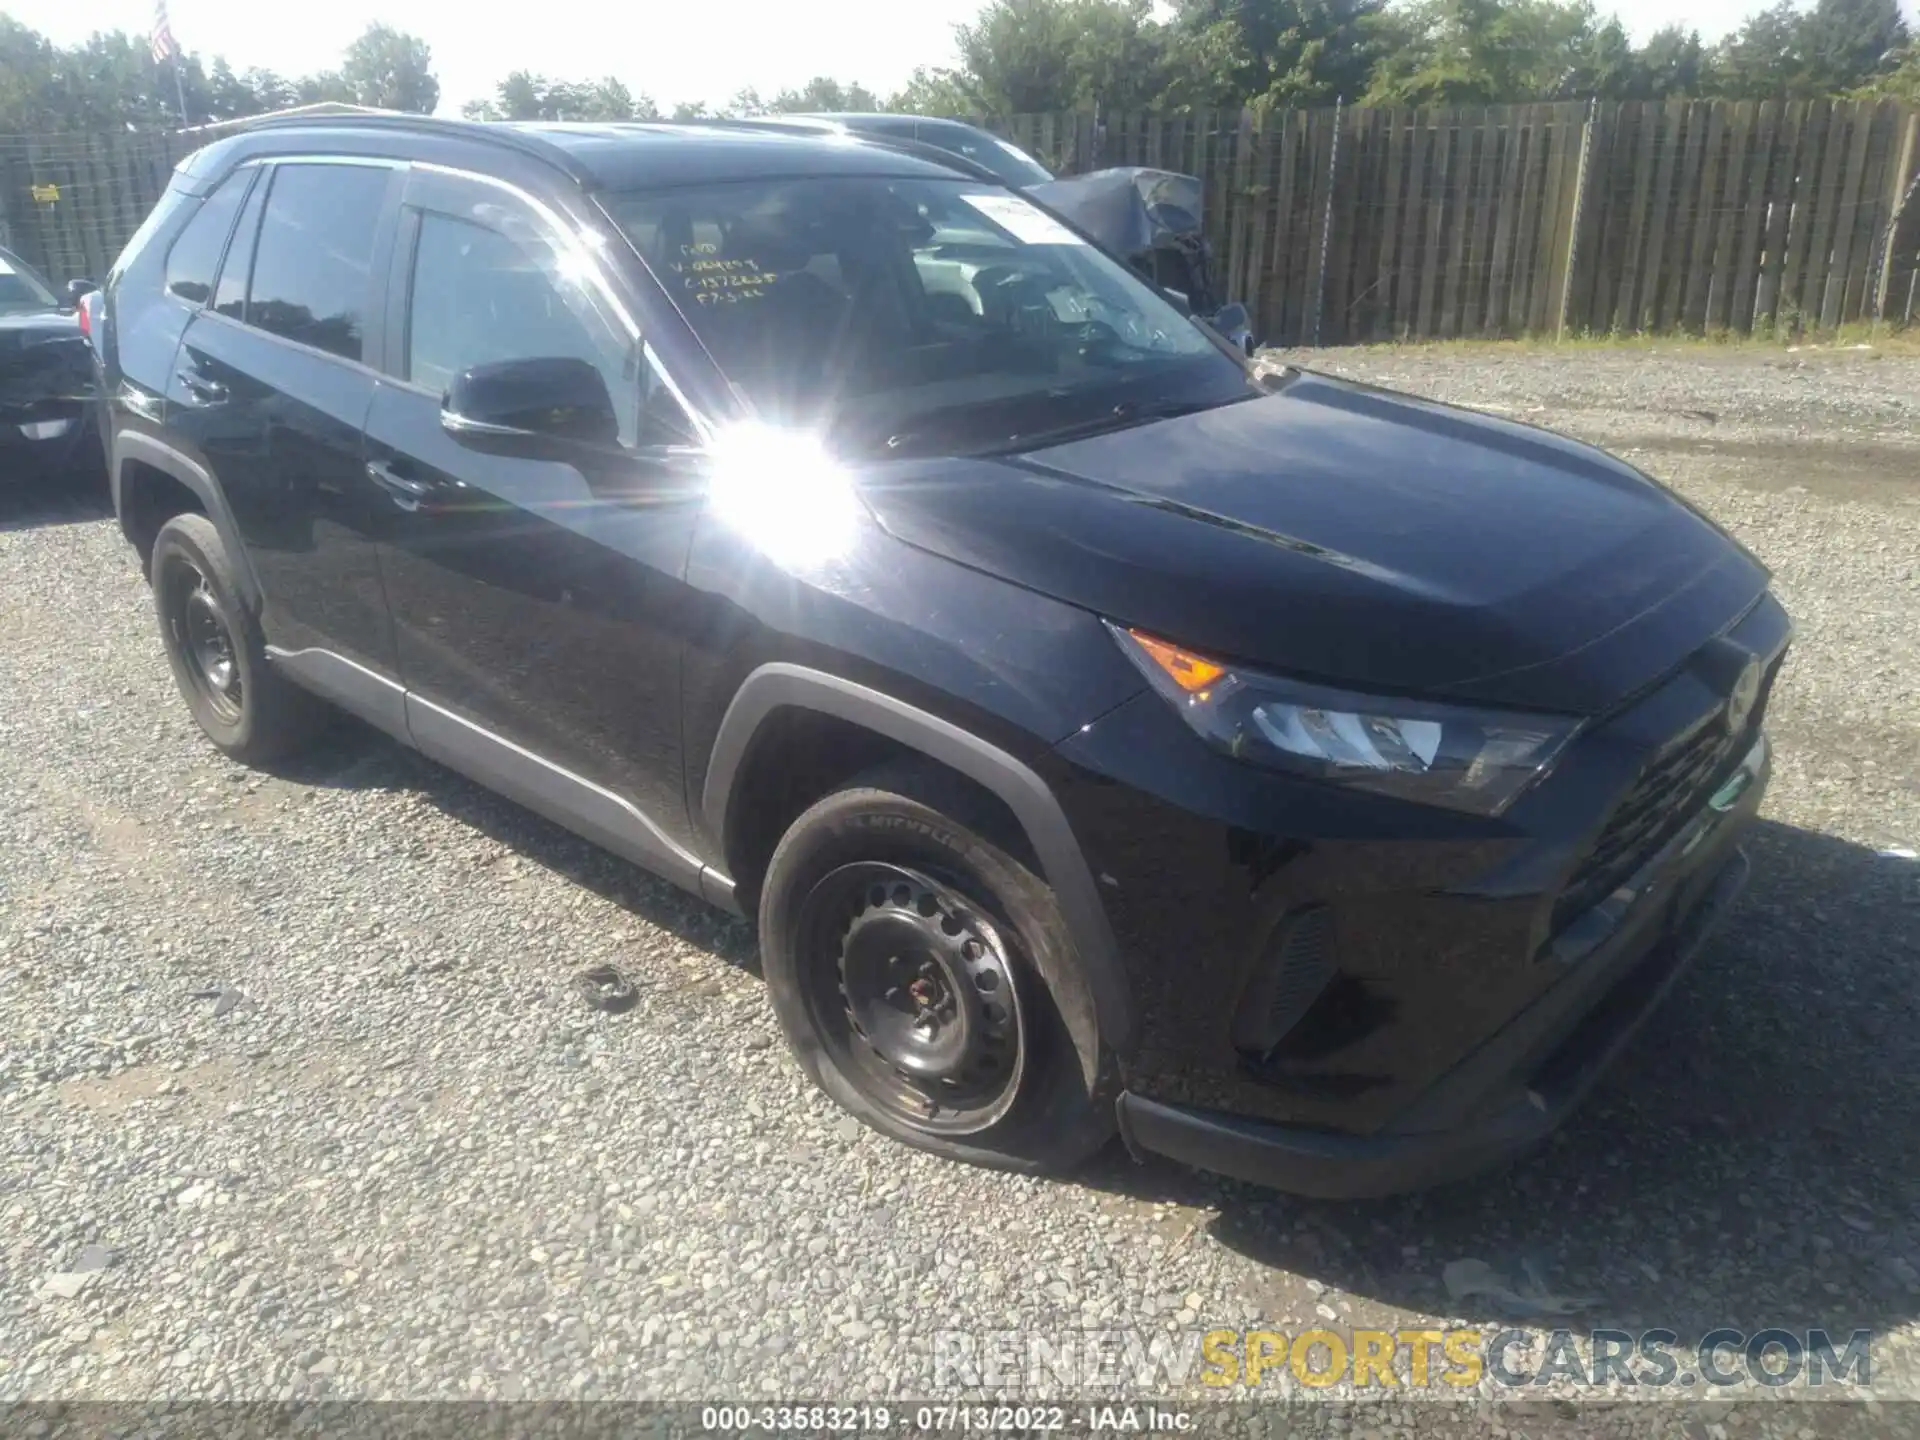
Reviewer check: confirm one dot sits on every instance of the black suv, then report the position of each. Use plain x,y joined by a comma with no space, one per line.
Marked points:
1314,784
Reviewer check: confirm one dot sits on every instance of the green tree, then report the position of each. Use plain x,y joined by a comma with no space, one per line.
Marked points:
1837,47
1847,44
1032,55
1225,53
392,70
1901,81
324,86
936,92
1672,62
1491,52
1762,58
270,91
526,96
819,95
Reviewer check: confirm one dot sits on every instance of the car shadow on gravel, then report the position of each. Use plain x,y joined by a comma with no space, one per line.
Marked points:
60,500
356,756
1748,1162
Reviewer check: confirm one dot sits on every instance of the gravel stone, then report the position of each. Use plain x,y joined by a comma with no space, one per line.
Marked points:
452,1180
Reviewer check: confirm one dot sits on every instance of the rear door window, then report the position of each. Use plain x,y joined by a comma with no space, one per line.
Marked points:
312,268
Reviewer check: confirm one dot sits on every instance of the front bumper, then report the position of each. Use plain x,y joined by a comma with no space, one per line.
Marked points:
1513,1091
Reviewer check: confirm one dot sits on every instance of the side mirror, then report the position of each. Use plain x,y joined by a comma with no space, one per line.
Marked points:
544,408
76,289
1231,318
1232,324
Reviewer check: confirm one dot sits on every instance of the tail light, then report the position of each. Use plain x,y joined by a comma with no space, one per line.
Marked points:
85,312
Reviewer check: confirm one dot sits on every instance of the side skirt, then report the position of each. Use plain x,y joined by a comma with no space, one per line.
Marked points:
608,820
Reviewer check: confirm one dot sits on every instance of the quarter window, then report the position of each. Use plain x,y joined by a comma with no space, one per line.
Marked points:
315,255
196,253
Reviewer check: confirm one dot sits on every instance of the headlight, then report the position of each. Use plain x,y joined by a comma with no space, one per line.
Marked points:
1462,757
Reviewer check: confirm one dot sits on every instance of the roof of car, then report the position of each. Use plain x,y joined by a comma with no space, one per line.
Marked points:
617,156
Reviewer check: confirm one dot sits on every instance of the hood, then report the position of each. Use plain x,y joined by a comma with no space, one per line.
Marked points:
1129,211
1342,533
27,326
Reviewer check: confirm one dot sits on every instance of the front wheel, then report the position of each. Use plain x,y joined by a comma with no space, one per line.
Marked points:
922,974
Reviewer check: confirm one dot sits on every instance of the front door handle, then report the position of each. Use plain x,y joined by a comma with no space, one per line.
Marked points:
203,390
405,491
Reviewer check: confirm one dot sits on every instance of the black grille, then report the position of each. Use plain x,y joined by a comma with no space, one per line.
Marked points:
1669,792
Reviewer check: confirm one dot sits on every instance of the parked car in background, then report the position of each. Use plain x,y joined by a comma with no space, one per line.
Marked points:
1151,218
1309,782
47,424
1010,165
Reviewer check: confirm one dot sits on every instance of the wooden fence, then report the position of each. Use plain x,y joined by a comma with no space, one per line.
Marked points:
1354,224
1346,225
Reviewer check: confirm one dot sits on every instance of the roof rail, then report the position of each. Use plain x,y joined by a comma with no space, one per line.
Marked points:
506,136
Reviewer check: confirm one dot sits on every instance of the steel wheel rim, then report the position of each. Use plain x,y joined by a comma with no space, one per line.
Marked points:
914,996
204,637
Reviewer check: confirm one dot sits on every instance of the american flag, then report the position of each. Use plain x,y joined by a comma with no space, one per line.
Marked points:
165,47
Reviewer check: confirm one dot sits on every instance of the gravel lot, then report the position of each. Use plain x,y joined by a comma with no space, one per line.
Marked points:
299,1058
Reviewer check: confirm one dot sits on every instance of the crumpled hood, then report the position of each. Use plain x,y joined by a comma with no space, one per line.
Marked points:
1128,210
1348,534
39,322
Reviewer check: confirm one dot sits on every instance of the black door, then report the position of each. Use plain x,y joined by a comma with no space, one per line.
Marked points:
272,386
538,604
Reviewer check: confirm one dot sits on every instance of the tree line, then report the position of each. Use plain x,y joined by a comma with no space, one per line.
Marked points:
1028,56
112,82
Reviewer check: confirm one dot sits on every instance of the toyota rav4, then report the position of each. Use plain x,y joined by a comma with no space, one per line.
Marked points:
1311,783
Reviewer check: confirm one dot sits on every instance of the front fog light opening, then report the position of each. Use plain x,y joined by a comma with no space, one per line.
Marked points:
1295,968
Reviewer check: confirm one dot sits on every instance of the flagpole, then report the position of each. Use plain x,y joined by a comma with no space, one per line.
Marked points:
166,49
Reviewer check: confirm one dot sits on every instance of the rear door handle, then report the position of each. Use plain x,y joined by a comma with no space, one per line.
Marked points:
203,390
405,491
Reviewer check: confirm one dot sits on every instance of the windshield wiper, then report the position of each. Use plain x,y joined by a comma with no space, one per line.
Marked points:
944,431
1124,416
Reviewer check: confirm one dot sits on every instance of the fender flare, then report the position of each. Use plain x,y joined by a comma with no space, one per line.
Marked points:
780,685
134,445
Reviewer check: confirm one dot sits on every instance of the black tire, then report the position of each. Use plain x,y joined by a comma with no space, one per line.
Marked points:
911,842
247,708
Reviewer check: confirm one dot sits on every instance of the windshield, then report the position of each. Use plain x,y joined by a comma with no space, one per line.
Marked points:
911,316
20,288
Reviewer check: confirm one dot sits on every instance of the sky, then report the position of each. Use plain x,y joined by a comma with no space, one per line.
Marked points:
673,52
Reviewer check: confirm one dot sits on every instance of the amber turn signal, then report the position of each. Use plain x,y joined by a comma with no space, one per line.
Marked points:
1191,672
